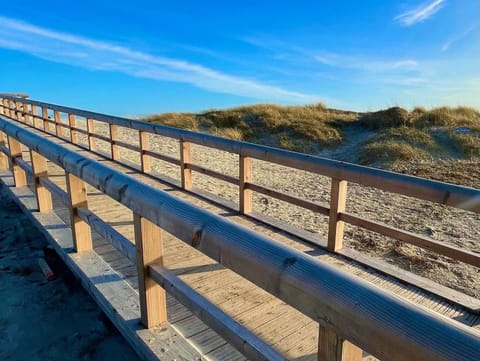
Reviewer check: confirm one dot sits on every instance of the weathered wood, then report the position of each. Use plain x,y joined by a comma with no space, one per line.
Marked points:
338,198
40,170
92,145
73,132
3,156
46,124
26,113
237,335
115,152
56,190
362,312
162,157
19,112
144,158
332,347
81,233
37,122
58,122
304,203
148,241
126,145
19,175
214,174
412,238
246,176
185,159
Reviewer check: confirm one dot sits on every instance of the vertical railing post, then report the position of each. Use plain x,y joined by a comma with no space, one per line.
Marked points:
338,198
245,176
92,144
2,108
37,123
77,191
19,111
58,121
331,347
113,137
27,113
185,159
144,158
3,156
40,170
148,243
19,175
13,112
71,124
45,120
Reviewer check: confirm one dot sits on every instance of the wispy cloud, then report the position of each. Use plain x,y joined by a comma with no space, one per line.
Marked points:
105,56
366,63
456,37
420,13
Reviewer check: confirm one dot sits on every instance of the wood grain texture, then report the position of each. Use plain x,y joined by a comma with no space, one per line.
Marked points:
338,198
246,176
71,125
185,159
19,174
92,145
332,347
115,152
144,146
3,156
82,236
148,242
40,170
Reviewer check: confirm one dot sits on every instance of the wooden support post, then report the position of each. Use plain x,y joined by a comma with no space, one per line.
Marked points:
19,111
37,123
58,121
148,243
46,123
113,136
246,176
144,158
2,108
185,159
27,113
19,175
338,198
332,347
77,191
71,124
3,156
13,112
40,170
92,144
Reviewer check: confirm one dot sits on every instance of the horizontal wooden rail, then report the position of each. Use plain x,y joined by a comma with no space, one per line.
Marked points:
162,157
412,238
252,347
126,145
315,207
54,189
213,173
430,190
382,324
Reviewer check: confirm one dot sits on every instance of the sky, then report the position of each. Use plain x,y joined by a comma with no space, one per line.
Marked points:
136,58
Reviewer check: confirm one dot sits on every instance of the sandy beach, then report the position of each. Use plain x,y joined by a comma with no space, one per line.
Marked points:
41,319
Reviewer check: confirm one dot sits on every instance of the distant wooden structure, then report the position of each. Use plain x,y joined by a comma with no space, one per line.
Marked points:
350,314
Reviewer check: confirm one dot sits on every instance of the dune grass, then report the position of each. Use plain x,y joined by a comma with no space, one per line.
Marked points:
402,135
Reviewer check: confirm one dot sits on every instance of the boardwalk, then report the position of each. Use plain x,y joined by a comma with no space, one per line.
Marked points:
278,324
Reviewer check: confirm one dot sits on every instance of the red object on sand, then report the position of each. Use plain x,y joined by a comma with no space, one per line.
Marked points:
46,269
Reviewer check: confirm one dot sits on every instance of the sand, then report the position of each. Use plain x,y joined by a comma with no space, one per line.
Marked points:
46,320
450,225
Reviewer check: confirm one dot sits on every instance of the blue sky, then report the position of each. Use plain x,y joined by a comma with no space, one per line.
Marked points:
134,58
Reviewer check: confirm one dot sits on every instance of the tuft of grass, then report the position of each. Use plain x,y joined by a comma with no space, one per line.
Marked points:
387,118
389,151
448,117
231,133
178,120
467,144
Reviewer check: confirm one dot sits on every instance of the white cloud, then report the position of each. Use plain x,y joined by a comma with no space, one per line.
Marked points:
420,13
456,37
366,63
100,55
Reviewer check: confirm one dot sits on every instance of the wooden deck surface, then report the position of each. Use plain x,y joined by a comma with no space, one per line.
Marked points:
292,333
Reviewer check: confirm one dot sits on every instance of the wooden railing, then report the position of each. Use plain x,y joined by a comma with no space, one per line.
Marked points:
340,172
349,310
